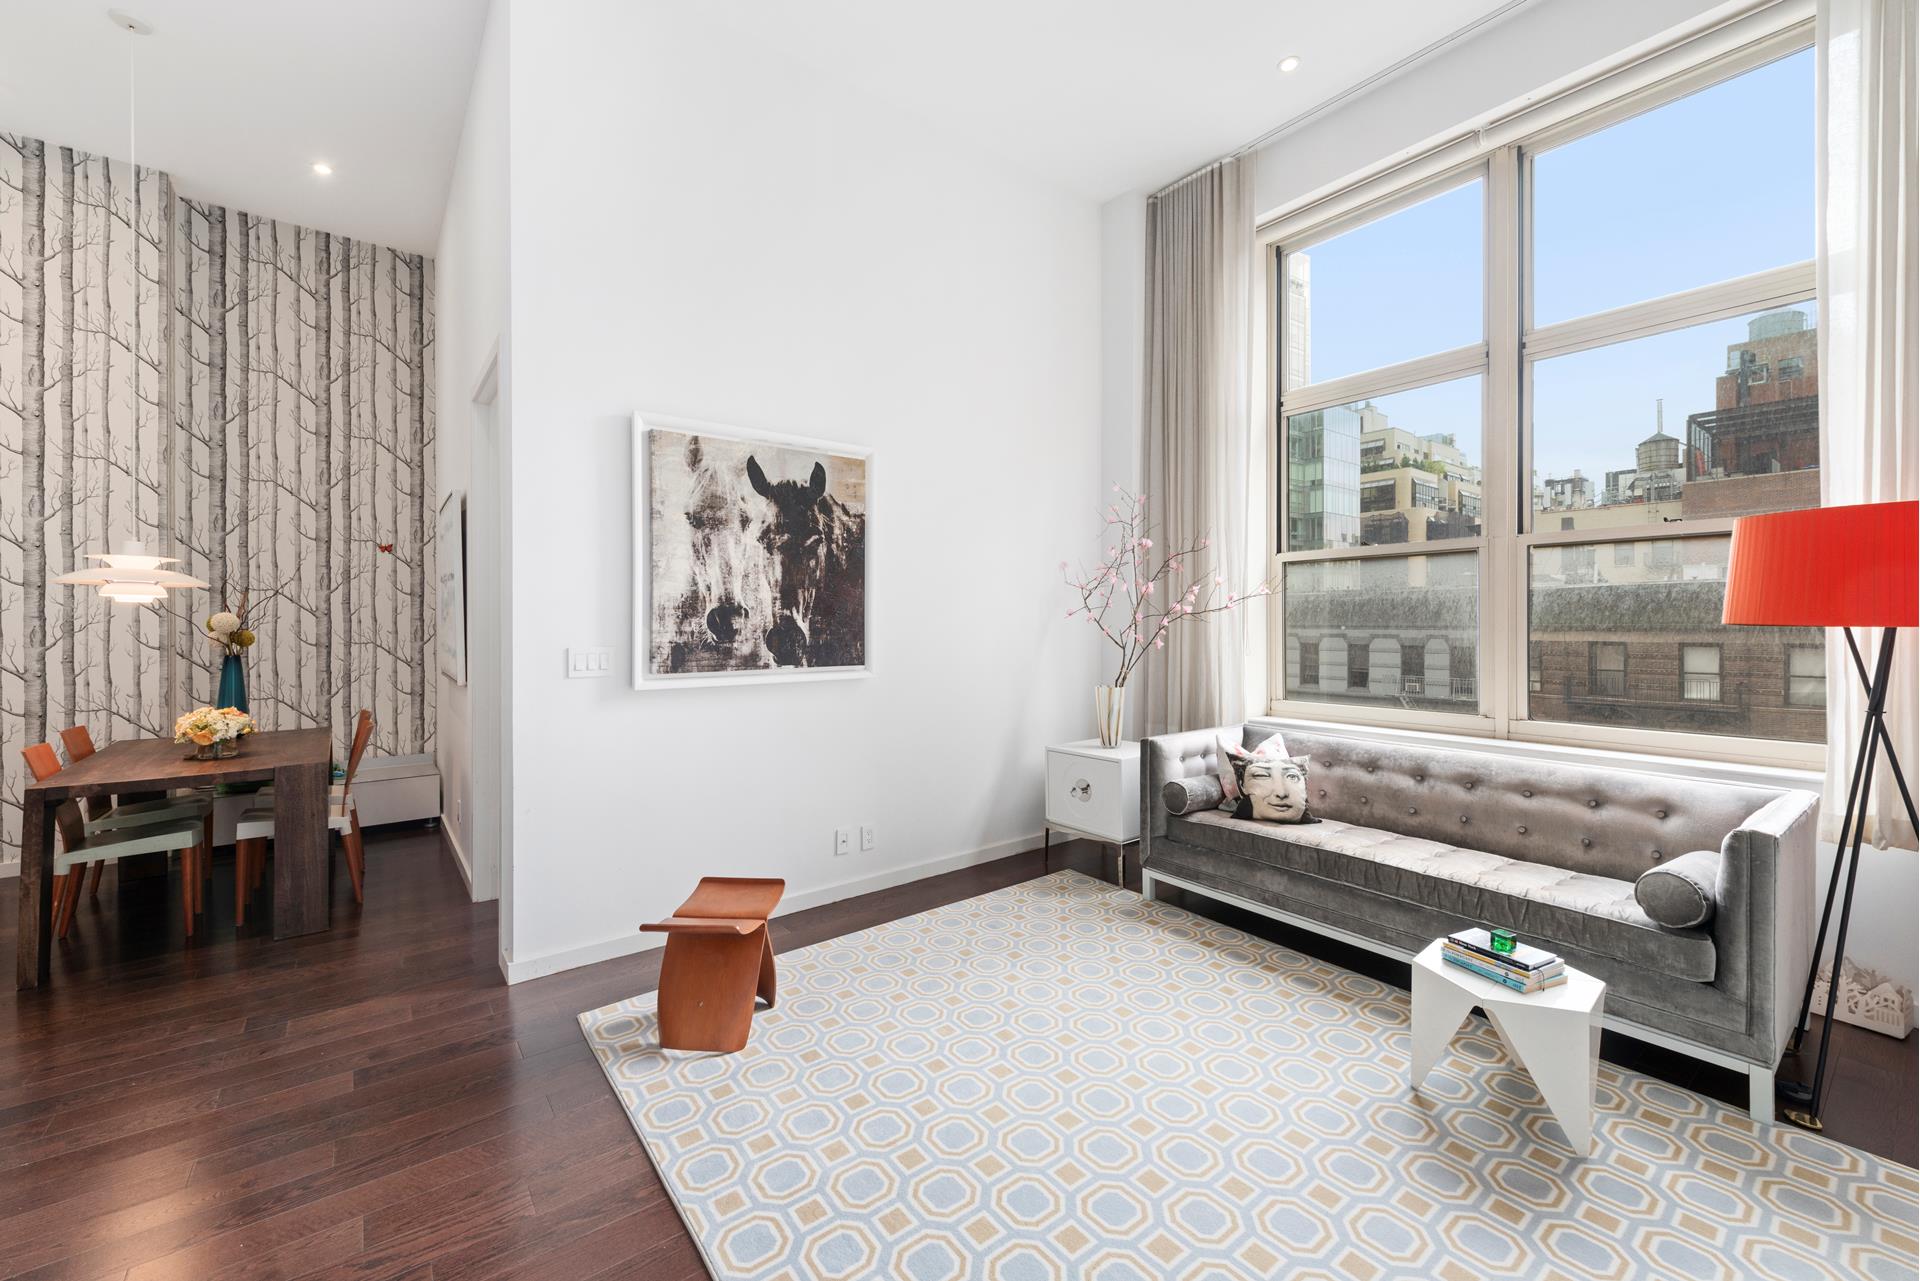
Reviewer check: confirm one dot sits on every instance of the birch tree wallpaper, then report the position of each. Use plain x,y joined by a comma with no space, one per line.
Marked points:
251,396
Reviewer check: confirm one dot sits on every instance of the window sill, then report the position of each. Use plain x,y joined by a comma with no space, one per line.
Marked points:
1541,748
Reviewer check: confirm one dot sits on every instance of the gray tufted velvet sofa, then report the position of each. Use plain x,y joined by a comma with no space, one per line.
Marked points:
1418,841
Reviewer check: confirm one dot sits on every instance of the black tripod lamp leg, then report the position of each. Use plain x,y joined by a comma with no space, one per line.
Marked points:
1833,881
1808,1116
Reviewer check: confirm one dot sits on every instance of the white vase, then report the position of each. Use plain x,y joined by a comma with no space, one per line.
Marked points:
1109,712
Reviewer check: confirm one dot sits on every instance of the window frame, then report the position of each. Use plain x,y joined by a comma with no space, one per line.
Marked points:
1504,361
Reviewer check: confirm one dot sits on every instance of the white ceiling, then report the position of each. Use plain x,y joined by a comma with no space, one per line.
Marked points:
238,98
1105,96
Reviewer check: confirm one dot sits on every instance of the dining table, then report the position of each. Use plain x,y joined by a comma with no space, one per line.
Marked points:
297,762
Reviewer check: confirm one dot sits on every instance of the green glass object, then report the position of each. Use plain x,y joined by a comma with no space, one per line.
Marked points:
1503,940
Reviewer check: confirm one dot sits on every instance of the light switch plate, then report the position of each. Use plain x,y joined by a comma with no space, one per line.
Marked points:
589,664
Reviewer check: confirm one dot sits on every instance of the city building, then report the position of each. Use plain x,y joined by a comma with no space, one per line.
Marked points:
1414,489
1323,478
1641,645
1299,318
1572,492
1759,447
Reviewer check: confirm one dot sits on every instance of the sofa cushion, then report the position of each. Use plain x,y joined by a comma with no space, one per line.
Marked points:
1538,901
1683,892
1272,789
1233,749
1185,795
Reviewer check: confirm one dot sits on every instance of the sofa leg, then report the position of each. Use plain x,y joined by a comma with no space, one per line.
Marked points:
1760,1095
1146,884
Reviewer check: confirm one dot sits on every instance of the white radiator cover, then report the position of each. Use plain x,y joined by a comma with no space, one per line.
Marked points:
388,789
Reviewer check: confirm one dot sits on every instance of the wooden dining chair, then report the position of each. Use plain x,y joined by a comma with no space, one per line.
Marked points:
103,815
79,848
255,829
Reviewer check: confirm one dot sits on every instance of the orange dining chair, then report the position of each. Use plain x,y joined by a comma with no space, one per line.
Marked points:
79,848
102,815
255,829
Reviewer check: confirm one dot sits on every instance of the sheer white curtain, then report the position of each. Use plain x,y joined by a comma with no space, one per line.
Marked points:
1868,263
1199,461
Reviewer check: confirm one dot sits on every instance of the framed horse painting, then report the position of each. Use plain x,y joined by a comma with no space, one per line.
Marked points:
750,556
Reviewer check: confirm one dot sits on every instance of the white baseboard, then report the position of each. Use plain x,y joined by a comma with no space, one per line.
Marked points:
520,970
9,869
459,854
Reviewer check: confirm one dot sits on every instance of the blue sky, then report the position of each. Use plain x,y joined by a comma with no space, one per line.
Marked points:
1716,185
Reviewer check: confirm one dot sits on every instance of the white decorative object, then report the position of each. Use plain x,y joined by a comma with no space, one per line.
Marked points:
749,556
1110,713
1554,1035
1094,792
1868,999
451,538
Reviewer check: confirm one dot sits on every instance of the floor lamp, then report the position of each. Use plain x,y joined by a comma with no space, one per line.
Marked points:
1843,567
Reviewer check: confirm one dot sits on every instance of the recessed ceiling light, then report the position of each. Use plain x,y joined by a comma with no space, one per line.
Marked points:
322,168
1290,62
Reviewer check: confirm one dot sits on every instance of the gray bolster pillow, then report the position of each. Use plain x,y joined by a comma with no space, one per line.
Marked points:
1681,892
1189,795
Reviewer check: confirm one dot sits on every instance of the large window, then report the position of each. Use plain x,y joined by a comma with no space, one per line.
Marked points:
1521,403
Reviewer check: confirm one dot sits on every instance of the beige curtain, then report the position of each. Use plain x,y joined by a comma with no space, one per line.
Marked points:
1868,264
1199,457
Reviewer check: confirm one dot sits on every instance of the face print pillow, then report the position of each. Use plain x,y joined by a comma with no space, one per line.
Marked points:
1273,789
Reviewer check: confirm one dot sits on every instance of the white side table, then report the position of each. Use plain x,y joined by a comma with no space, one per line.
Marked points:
1094,792
1554,1034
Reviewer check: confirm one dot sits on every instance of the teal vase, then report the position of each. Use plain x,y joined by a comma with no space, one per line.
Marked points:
233,683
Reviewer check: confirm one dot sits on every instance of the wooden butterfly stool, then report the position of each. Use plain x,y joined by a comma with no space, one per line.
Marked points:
719,958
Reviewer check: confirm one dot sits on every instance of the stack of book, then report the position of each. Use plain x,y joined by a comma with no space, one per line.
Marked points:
1524,969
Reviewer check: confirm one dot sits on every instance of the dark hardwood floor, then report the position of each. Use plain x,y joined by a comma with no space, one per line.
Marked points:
374,1103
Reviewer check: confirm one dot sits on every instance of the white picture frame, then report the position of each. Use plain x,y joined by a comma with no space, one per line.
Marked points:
450,583
645,678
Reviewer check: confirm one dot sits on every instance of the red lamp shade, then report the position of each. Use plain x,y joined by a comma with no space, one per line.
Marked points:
1826,567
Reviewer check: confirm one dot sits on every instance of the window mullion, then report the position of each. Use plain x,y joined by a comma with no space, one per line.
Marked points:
1762,291
1502,573
1461,362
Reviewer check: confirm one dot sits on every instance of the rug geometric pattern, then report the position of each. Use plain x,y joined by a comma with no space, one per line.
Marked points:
1062,1080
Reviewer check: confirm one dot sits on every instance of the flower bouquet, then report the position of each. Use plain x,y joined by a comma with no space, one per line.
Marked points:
229,630
214,731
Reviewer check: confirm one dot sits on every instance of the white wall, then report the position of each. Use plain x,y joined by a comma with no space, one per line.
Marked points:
1123,332
471,257
701,229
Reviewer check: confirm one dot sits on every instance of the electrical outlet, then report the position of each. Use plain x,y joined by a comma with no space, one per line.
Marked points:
842,840
866,836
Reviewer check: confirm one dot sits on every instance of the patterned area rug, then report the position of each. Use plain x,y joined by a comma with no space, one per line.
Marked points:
1061,1080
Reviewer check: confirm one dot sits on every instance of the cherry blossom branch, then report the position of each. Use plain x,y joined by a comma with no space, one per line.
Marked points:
1130,572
